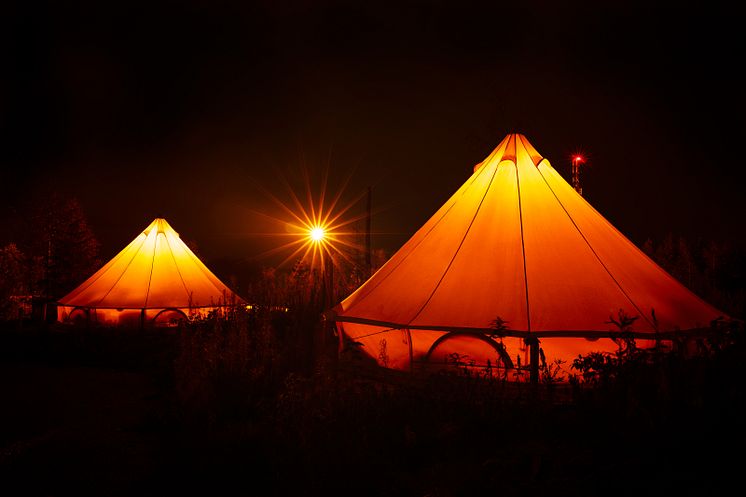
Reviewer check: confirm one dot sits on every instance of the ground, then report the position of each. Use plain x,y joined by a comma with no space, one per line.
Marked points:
71,424
81,428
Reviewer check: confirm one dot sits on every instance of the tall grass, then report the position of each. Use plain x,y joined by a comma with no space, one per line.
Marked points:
256,401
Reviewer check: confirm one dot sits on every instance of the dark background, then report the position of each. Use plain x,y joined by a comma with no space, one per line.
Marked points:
188,109
195,110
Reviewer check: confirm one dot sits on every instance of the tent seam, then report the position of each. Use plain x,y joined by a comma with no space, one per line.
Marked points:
510,333
608,271
214,280
458,249
640,252
123,271
523,243
102,270
393,269
152,265
176,264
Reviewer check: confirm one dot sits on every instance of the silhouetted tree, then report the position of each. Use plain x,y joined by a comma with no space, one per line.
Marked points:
714,271
12,279
63,246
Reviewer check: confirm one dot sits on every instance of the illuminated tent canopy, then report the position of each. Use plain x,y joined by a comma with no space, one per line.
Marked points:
515,242
156,279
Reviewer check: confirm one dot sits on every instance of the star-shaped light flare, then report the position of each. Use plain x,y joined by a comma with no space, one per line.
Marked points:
320,230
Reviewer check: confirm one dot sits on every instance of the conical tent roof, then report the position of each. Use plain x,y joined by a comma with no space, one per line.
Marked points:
157,270
518,242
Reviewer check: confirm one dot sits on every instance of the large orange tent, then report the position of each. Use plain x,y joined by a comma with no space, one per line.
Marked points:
156,279
515,244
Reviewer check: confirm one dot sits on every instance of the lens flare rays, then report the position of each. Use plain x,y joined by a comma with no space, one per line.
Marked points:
321,231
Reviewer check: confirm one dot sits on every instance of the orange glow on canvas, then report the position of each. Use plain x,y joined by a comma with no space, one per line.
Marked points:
154,276
515,241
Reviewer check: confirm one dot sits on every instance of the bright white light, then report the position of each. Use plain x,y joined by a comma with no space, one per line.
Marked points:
317,234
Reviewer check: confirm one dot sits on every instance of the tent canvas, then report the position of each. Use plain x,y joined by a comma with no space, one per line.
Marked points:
155,279
518,243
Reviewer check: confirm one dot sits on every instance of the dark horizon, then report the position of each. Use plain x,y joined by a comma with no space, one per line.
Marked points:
182,110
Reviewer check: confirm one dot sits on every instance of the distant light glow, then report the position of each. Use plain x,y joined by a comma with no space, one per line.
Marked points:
321,230
317,233
578,159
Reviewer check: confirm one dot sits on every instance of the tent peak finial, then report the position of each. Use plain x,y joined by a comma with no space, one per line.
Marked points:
160,225
513,146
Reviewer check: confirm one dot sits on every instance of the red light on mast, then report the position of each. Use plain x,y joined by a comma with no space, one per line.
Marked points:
576,161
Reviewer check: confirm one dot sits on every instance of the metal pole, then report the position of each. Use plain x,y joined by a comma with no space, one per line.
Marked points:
576,175
327,288
330,273
368,248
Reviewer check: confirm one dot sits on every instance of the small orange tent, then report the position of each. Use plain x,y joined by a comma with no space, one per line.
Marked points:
156,279
515,244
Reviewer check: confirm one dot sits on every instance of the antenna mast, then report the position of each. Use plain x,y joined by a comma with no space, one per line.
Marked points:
576,161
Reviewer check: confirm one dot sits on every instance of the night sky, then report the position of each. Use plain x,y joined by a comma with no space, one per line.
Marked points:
189,109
